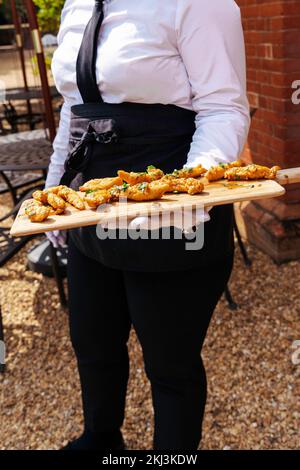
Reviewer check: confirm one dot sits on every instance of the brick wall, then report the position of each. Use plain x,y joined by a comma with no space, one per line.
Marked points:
272,36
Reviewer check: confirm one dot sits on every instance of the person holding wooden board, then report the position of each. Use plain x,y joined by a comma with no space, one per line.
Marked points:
147,83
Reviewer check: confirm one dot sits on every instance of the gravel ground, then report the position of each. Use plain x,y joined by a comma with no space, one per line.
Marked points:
254,388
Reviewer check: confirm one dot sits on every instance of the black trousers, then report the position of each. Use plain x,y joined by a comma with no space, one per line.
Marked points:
170,313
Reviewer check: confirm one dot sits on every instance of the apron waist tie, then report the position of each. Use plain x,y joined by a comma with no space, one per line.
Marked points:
79,156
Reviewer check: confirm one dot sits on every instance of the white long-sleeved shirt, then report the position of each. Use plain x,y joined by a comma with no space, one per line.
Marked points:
189,53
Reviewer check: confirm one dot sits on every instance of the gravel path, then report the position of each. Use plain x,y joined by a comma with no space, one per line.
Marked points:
254,387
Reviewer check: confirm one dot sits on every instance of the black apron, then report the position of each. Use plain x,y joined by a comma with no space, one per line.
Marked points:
107,137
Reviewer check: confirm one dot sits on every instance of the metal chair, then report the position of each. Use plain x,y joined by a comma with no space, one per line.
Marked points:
14,119
22,153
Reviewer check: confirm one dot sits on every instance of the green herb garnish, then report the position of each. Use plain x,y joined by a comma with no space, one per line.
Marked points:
121,187
150,167
187,168
142,186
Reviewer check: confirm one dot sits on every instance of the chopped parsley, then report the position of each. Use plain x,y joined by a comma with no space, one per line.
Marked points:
187,168
142,186
150,167
121,187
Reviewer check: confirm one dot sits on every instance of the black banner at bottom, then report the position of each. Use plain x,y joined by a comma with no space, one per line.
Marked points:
133,459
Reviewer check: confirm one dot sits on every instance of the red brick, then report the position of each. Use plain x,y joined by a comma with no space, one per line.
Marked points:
272,38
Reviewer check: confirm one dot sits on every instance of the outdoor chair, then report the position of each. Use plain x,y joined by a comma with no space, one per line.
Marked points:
15,120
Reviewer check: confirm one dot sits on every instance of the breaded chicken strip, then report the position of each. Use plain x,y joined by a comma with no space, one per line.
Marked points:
96,198
36,211
187,172
216,173
140,192
183,185
48,197
71,197
100,183
75,198
151,174
55,211
251,172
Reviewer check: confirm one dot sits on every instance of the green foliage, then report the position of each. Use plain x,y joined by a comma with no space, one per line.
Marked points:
49,14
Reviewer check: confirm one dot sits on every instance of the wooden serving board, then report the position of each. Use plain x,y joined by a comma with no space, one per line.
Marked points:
218,193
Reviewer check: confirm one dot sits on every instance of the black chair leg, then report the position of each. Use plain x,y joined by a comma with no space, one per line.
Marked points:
57,275
10,187
246,258
231,303
2,347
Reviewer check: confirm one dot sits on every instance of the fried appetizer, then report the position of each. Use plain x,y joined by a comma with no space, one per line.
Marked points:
100,183
75,198
36,211
183,185
40,196
187,172
55,211
140,192
251,172
55,201
151,174
71,197
217,172
55,189
48,197
96,198
154,173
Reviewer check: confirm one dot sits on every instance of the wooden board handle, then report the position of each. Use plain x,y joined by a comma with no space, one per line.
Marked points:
288,176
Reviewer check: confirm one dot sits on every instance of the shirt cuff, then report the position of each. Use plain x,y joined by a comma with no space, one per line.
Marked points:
207,161
55,172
